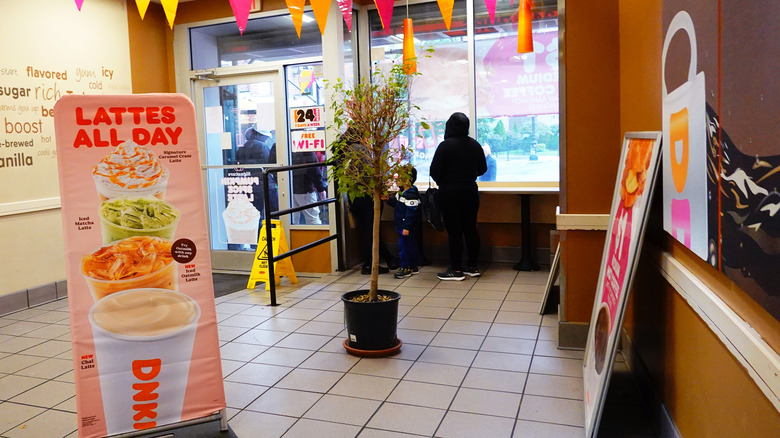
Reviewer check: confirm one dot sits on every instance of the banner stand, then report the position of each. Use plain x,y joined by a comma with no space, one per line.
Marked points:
211,426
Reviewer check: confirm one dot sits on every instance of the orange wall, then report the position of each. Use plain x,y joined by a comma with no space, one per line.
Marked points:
706,391
593,141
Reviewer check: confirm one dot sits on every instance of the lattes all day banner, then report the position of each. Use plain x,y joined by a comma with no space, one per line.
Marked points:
143,323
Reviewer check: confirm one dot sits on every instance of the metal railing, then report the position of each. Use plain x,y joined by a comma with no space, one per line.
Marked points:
279,213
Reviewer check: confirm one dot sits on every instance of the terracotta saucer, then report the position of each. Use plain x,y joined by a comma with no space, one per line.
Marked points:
373,353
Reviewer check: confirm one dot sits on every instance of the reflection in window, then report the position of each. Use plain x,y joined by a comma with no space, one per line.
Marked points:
266,39
304,86
517,96
442,87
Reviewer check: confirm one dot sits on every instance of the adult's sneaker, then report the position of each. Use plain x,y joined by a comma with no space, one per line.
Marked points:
472,272
415,270
451,275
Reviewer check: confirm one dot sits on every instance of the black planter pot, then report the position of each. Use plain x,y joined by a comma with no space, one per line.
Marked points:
371,326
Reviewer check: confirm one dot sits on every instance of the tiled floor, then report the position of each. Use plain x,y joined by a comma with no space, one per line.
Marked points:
478,361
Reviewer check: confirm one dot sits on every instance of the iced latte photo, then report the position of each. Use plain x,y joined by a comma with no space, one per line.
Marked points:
135,262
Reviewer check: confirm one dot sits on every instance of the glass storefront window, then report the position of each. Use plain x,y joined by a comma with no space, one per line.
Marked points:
517,96
442,87
306,120
265,39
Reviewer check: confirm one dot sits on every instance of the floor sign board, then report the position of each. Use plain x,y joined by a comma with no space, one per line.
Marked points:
630,205
143,321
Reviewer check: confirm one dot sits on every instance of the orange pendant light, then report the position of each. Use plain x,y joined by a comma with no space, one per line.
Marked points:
410,59
525,42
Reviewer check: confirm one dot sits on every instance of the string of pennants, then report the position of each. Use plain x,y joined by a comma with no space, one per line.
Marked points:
321,8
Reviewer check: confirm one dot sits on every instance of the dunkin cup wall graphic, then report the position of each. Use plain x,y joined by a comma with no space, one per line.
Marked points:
684,155
138,264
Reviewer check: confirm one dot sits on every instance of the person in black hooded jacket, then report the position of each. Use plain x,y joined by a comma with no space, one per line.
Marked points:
457,163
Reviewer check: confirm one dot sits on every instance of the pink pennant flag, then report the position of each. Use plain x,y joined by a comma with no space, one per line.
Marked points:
491,7
79,3
142,6
170,6
296,12
241,12
321,8
385,8
345,6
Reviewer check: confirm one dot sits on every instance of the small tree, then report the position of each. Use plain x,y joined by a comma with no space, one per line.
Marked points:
372,113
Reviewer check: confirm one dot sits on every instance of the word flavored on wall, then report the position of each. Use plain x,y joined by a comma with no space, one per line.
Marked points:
36,72
721,162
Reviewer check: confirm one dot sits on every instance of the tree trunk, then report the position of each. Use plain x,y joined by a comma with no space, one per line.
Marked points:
374,284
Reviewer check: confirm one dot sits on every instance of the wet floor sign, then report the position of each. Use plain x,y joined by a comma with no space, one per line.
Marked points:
284,267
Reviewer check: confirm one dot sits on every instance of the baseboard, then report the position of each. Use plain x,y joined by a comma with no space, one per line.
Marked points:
572,335
661,420
26,298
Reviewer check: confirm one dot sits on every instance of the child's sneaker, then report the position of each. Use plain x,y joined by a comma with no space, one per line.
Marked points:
451,275
472,272
403,273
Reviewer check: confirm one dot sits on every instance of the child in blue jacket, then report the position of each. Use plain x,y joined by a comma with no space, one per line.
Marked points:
406,218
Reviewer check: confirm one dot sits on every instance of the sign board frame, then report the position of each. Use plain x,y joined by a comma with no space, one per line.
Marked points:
637,172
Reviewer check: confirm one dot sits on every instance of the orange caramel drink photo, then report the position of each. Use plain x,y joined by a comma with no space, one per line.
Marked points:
130,170
135,262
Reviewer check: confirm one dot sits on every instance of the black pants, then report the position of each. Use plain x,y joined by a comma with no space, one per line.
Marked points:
459,207
363,211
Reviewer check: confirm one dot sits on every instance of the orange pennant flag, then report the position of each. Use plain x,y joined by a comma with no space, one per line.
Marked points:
241,12
385,8
170,6
525,41
445,6
321,8
410,59
296,11
142,6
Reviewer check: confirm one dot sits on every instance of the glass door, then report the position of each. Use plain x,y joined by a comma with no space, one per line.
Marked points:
240,117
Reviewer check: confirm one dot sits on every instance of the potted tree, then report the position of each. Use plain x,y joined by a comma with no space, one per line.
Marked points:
371,113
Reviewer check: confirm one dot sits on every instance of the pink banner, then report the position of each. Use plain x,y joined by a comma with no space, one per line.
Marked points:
241,12
521,84
142,6
296,12
79,3
143,321
320,9
345,6
385,8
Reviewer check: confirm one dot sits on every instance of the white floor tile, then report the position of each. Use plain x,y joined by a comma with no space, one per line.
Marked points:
423,394
480,401
322,360
496,380
370,387
552,410
382,367
341,409
448,356
47,424
306,428
535,429
284,402
436,373
465,425
260,425
310,380
502,361
405,418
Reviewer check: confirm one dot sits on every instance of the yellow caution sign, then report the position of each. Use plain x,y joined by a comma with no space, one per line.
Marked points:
260,265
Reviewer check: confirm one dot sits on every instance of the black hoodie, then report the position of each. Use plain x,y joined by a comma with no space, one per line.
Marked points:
459,159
